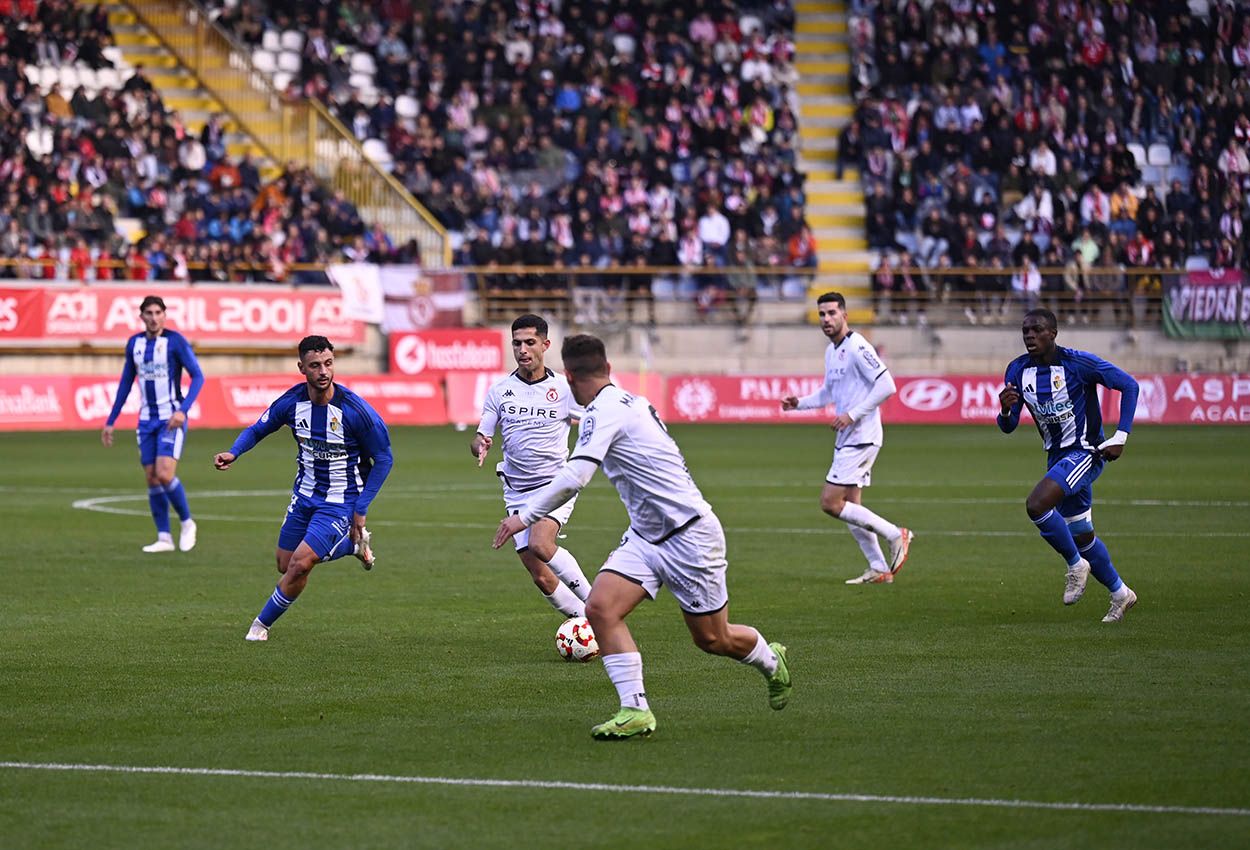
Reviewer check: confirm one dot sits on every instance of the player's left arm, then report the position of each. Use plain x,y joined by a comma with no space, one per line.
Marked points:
186,358
872,369
375,440
1113,377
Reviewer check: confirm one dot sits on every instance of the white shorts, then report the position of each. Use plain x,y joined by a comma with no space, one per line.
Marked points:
691,564
852,466
514,501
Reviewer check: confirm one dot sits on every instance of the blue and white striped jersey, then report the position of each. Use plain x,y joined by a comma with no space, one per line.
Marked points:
344,449
158,363
1063,399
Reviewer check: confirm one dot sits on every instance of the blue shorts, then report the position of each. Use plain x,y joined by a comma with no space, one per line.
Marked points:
1075,471
322,526
157,440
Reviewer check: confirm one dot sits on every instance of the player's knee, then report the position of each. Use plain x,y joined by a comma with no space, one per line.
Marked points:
832,505
711,642
1083,539
164,477
300,566
1035,505
543,551
597,612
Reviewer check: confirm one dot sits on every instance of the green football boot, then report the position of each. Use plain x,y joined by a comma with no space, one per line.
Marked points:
779,682
627,723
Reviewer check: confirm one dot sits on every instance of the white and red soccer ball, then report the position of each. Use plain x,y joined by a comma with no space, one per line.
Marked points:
575,641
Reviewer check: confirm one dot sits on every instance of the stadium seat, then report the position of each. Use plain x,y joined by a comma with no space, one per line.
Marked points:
1138,152
1151,174
48,78
1197,263
362,63
282,79
293,40
360,81
624,45
1159,155
108,78
376,150
271,41
290,62
1179,171
749,24
264,61
406,106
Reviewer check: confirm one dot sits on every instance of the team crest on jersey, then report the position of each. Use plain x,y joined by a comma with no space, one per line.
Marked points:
587,428
1056,380
334,423
553,394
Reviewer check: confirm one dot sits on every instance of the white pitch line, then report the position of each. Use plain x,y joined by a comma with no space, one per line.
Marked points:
669,790
105,504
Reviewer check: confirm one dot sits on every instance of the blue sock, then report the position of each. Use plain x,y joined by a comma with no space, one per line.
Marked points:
274,608
1055,531
1100,565
178,498
158,501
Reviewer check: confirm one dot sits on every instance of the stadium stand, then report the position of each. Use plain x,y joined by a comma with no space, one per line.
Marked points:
586,135
106,181
1056,136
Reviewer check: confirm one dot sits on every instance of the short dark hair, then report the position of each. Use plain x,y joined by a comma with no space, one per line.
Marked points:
584,356
314,343
1045,315
835,297
529,320
150,300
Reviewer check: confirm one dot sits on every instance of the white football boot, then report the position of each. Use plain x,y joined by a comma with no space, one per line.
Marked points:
364,551
258,631
186,536
164,543
1074,587
1120,606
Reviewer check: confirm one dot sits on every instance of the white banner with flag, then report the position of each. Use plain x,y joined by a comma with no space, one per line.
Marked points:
361,287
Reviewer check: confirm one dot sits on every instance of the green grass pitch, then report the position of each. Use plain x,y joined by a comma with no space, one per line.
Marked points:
965,680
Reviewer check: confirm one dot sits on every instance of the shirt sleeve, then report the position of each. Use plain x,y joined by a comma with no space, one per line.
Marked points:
271,420
1008,423
595,436
490,414
1113,377
569,481
867,361
186,356
123,387
375,440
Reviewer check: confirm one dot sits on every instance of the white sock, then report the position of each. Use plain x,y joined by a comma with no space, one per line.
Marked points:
564,601
165,535
625,671
870,546
566,568
1122,593
859,515
762,658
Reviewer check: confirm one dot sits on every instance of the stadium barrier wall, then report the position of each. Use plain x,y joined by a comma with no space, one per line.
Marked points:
80,402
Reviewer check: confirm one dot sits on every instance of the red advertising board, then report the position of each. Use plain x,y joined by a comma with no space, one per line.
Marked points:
205,314
446,350
39,402
42,402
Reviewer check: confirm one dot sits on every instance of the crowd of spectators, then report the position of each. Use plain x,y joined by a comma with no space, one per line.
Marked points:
1048,135
584,134
55,32
75,166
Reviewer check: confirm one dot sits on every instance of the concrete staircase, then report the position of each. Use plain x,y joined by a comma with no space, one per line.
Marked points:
835,208
178,87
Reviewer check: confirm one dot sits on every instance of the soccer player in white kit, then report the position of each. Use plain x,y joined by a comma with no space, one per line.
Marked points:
856,384
533,407
673,539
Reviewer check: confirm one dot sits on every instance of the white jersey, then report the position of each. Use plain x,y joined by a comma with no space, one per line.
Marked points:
851,369
534,419
623,434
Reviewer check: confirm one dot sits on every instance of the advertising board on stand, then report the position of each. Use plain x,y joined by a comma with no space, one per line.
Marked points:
445,350
207,314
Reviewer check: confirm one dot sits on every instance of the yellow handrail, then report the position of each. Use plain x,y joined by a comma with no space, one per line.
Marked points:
302,131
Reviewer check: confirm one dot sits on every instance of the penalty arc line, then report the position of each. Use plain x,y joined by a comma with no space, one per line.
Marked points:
670,790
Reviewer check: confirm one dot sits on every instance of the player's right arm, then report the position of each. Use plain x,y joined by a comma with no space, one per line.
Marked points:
1010,401
821,398
271,420
484,438
123,392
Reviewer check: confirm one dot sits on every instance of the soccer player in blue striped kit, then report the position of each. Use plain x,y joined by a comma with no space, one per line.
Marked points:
344,456
158,357
1060,388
